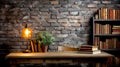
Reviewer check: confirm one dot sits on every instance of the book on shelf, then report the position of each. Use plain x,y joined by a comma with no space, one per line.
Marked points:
108,43
115,29
103,13
107,13
102,28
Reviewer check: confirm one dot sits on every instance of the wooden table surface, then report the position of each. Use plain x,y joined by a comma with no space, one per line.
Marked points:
58,55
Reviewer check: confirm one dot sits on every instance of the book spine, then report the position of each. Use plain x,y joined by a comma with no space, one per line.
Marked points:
32,46
39,48
99,13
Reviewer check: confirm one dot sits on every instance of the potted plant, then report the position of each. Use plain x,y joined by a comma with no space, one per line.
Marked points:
44,39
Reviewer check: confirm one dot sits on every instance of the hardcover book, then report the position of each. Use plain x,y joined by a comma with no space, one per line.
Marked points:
88,47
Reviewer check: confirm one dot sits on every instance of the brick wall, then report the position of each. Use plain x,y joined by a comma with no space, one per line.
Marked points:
68,20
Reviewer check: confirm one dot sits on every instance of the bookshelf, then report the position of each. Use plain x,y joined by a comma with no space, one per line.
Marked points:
106,31
105,35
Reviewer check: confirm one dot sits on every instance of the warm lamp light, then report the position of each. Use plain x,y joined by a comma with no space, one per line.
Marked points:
26,32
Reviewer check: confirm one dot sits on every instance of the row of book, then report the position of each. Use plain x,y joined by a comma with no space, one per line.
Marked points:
34,47
109,43
106,13
102,28
106,29
89,49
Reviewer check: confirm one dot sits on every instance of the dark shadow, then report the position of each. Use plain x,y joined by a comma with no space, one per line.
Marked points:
4,50
115,2
90,41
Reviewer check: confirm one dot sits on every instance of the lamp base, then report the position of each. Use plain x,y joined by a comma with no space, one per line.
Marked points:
26,51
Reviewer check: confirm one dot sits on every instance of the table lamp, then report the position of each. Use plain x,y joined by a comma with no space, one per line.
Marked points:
27,33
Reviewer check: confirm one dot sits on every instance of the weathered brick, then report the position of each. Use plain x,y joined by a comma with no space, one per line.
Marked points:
62,35
23,47
106,2
74,20
55,24
70,28
92,5
59,28
64,13
68,20
96,2
61,16
73,32
63,2
45,24
16,50
53,11
74,17
54,2
52,20
56,32
44,9
76,25
65,32
53,46
62,10
79,2
63,20
50,28
74,13
65,24
57,6
17,47
73,9
53,16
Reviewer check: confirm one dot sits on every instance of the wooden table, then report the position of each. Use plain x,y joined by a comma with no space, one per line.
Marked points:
57,57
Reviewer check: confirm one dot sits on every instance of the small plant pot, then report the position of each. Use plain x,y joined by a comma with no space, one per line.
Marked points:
44,48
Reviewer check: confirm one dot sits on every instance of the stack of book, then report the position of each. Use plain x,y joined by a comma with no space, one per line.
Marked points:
89,49
115,29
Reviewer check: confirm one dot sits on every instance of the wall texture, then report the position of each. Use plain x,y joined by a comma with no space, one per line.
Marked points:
68,20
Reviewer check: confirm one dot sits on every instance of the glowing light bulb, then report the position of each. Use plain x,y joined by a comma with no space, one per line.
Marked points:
26,33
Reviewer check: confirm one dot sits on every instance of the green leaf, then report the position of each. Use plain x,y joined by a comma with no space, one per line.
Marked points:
45,38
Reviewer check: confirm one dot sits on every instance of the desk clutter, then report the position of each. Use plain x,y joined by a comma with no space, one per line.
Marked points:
85,49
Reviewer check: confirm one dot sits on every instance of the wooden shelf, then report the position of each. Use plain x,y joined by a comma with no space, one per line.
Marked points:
106,29
105,38
106,35
106,20
110,49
